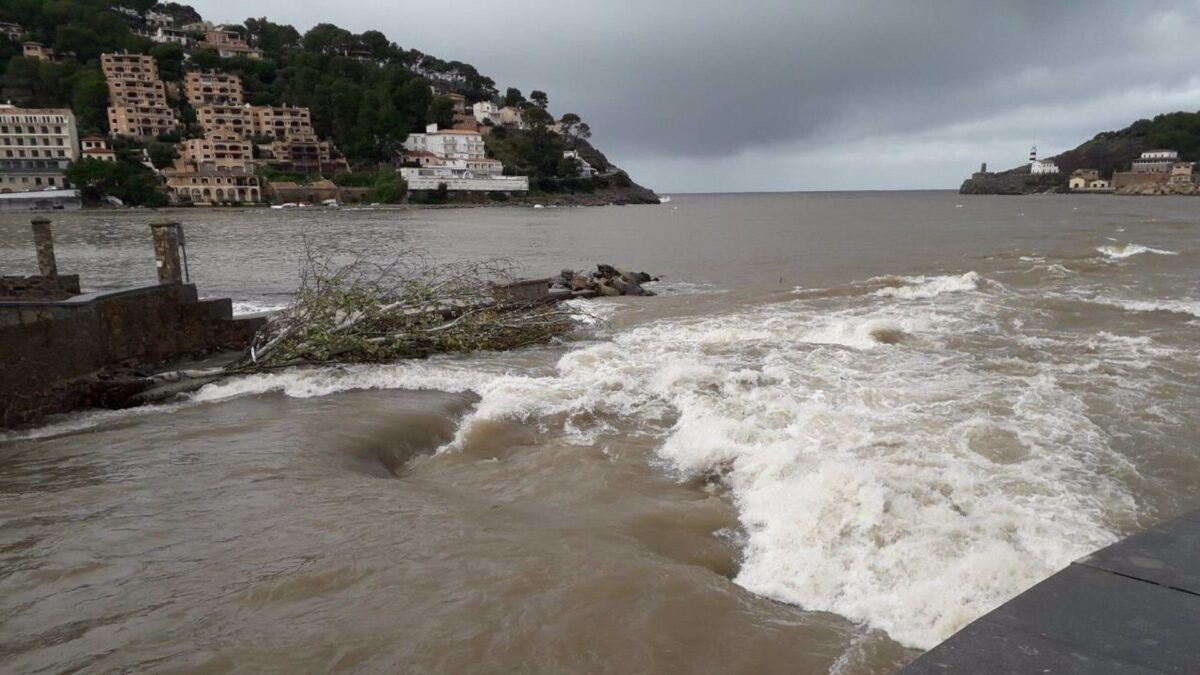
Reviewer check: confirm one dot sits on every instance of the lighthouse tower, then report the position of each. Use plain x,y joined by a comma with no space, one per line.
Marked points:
1033,155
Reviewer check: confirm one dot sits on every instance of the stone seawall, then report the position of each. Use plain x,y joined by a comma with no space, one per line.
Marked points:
61,355
39,286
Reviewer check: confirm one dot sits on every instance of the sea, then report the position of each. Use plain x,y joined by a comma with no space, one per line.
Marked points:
847,425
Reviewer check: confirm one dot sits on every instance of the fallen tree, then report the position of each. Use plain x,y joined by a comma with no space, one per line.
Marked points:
407,306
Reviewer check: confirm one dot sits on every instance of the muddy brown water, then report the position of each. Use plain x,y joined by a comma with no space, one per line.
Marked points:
848,425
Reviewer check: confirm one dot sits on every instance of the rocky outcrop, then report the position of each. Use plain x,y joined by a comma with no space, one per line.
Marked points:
606,281
1160,189
1014,182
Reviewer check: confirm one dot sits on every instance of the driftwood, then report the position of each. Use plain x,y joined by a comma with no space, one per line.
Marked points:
409,305
373,308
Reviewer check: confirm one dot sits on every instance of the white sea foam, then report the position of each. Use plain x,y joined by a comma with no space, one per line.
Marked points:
1185,306
255,307
1129,250
928,287
878,483
879,471
1180,306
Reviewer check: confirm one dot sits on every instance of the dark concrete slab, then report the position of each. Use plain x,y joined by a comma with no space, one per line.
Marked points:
988,648
1133,607
1111,616
1168,555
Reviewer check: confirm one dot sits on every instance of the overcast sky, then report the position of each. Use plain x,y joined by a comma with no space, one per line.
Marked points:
762,95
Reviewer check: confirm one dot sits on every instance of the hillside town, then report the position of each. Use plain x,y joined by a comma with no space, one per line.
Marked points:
231,151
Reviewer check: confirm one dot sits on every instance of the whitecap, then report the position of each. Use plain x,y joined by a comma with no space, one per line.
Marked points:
1129,250
929,287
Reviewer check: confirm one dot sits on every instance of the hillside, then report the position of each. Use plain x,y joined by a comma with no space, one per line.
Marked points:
1107,152
365,92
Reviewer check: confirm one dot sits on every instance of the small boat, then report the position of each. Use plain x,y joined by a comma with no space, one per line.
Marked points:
538,206
288,205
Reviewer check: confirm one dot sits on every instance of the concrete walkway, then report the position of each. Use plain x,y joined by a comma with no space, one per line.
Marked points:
1131,608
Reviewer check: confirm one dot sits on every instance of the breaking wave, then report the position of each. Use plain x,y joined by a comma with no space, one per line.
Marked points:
1120,252
880,471
1184,306
928,287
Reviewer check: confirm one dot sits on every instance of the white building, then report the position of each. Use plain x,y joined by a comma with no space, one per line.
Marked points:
36,145
1040,166
159,19
1043,166
586,170
95,147
431,178
1156,161
486,111
447,143
472,175
166,34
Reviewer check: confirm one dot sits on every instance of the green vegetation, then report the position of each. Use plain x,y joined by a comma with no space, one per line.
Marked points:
365,93
132,183
1179,131
386,187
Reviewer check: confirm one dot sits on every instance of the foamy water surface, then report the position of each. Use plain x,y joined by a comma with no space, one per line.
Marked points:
904,445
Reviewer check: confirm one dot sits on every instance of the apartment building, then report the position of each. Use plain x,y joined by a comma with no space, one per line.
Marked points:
207,185
235,118
138,97
282,122
36,145
213,88
306,155
447,143
229,44
36,50
129,66
221,150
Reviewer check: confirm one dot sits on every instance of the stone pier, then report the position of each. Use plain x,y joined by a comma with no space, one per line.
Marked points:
64,350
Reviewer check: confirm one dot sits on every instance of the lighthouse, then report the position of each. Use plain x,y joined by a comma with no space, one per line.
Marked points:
1037,166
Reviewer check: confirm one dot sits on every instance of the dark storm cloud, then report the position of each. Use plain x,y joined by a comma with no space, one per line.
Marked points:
672,82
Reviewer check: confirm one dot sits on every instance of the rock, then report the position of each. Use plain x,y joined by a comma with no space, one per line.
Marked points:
621,285
580,283
635,277
607,291
607,271
566,276
633,289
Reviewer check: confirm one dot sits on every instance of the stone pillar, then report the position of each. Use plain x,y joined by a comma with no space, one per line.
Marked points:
166,251
43,243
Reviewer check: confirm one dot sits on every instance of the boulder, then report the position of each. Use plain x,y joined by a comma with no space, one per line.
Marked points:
607,291
566,276
606,271
621,285
634,289
580,283
635,277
